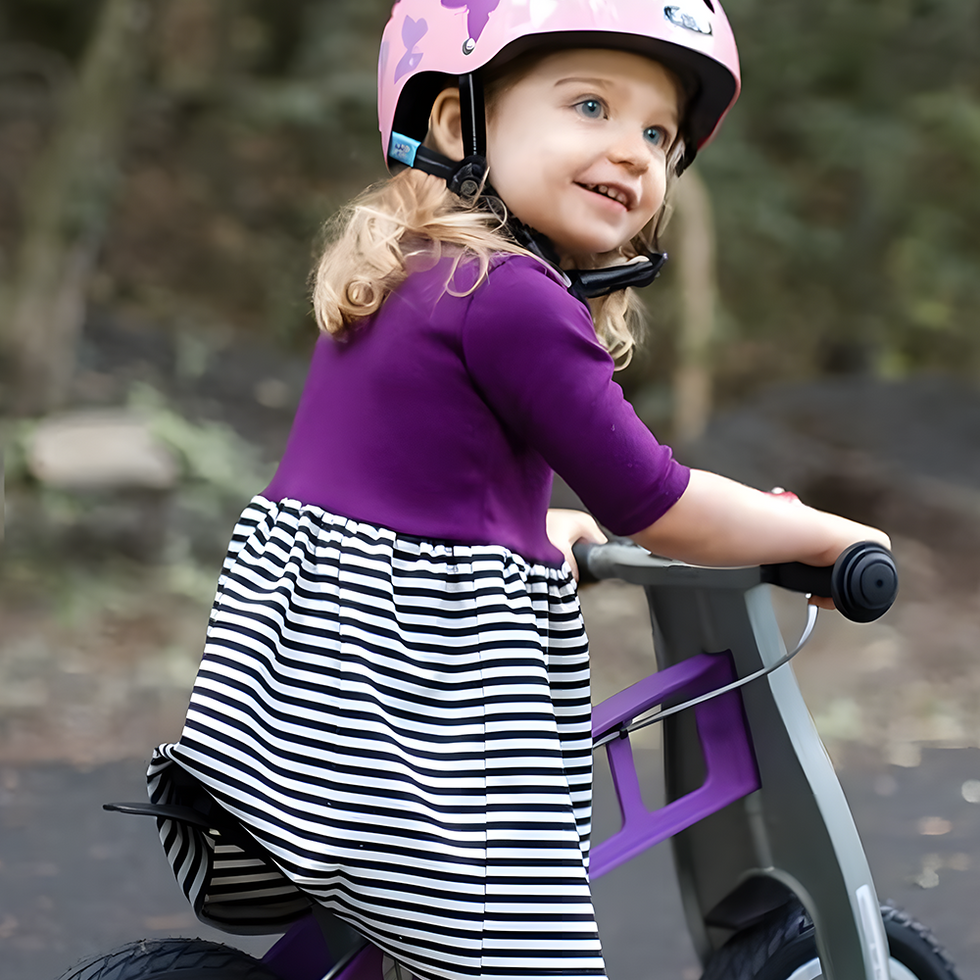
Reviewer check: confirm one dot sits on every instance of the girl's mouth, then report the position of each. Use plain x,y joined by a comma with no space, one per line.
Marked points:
613,193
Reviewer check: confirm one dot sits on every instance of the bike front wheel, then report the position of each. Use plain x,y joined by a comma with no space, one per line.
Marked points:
784,947
172,959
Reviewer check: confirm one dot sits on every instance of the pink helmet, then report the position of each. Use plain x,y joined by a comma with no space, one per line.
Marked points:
427,40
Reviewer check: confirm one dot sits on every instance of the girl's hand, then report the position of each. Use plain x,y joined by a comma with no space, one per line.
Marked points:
823,602
565,527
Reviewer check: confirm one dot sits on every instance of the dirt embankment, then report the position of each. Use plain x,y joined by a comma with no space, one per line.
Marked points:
97,657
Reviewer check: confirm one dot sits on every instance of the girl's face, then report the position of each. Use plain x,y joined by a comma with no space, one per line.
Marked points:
578,147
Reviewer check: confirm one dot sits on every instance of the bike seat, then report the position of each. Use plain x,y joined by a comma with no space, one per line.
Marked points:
231,880
196,808
163,811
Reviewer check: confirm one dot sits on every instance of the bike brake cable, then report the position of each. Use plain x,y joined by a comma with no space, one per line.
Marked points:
645,722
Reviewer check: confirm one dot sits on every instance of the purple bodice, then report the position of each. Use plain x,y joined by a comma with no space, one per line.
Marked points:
445,415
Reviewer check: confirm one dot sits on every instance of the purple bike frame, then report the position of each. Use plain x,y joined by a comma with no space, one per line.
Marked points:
730,774
730,770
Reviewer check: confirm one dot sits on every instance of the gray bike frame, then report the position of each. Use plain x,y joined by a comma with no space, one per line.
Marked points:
795,833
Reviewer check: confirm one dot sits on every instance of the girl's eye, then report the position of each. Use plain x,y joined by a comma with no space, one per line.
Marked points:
591,108
655,136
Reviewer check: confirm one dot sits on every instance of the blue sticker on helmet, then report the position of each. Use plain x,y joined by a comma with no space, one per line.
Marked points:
681,18
403,149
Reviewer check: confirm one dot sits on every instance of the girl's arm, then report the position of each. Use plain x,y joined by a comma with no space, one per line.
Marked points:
720,522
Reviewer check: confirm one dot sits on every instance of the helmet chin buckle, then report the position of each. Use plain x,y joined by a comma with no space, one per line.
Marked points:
637,273
590,283
467,179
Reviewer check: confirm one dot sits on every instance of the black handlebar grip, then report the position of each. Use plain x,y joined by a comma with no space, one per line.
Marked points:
580,552
863,582
797,577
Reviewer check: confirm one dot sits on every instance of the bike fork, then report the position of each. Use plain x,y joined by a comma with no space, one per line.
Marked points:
793,835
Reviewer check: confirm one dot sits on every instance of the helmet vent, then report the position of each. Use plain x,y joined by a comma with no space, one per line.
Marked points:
709,5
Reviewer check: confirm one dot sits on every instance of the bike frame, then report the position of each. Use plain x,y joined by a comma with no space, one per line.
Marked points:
754,810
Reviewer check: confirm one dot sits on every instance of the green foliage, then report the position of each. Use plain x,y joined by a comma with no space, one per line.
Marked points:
328,84
59,532
846,183
845,180
59,25
223,468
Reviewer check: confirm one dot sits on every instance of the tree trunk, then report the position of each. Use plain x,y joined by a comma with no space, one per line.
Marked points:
65,211
191,38
695,253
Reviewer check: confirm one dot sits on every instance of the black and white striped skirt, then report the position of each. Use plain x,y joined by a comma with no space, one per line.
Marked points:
404,725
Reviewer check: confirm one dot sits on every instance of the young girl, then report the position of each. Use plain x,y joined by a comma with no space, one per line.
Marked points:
394,695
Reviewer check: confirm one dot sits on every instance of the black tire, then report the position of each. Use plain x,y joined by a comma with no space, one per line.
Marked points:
172,959
785,944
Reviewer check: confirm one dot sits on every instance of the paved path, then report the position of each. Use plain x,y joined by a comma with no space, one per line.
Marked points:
76,880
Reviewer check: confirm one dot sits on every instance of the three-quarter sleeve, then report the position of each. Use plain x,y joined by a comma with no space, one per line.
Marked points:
532,352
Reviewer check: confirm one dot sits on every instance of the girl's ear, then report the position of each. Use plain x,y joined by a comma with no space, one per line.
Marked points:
445,125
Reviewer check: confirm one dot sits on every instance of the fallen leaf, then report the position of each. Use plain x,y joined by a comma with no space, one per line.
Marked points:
934,826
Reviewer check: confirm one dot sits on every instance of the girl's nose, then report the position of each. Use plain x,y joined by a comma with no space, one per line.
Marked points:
631,150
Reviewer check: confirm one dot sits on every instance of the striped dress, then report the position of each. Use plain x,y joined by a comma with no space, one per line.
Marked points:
401,720
405,726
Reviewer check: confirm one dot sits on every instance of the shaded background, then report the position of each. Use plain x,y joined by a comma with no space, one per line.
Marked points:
165,169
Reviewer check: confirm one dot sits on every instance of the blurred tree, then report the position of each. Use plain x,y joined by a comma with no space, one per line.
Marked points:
845,182
260,122
847,190
65,211
191,41
326,55
697,283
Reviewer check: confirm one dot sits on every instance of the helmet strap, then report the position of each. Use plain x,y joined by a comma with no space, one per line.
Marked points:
465,177
469,175
473,114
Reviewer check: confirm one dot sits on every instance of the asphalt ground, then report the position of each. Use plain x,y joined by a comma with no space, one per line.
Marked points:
76,880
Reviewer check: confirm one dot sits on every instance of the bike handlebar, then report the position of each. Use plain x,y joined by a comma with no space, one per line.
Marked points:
863,582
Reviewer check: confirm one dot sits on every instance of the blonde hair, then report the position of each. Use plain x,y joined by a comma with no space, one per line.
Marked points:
372,241
377,235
